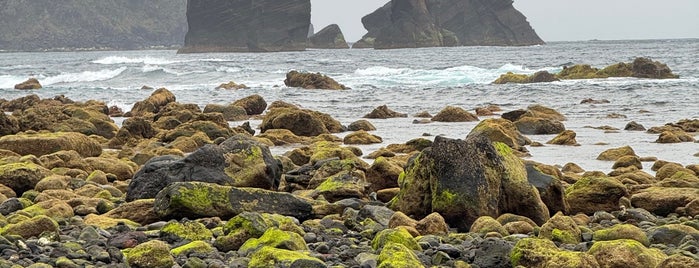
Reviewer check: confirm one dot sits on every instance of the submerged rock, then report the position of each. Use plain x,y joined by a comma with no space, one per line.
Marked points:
31,83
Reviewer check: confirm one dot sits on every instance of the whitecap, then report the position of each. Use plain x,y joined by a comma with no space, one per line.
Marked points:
9,81
86,76
112,60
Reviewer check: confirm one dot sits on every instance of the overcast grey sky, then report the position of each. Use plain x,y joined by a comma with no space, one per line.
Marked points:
554,20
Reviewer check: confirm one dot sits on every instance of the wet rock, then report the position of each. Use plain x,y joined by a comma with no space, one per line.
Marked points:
311,81
593,101
663,200
361,137
361,125
567,137
627,253
647,68
152,105
672,234
301,122
501,130
31,83
538,77
675,137
229,112
383,174
232,85
540,253
550,189
454,114
466,162
615,153
383,112
183,199
250,163
21,177
8,125
283,137
330,37
493,252
633,126
45,143
591,194
561,229
253,104
539,126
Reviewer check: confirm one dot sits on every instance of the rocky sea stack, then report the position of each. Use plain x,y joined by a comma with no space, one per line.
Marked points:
247,25
328,38
435,23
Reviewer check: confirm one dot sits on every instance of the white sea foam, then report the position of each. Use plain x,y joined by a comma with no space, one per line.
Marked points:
9,81
86,76
112,60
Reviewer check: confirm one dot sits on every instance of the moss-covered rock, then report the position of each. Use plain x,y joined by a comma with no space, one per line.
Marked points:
300,122
539,126
105,222
154,103
31,83
139,211
283,137
151,254
274,257
621,231
561,229
175,231
232,85
55,209
253,104
275,238
541,253
39,144
625,253
198,246
538,77
311,81
672,234
581,71
383,174
486,224
383,112
362,137
663,200
32,227
501,130
454,114
433,224
397,255
566,137
342,185
616,153
250,163
397,235
22,176
679,261
591,194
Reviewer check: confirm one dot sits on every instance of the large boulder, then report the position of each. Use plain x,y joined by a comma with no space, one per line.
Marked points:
465,179
591,194
301,122
250,163
230,112
253,104
39,144
454,114
90,118
21,177
245,26
647,68
8,124
311,81
626,253
330,37
550,189
664,200
501,130
411,26
541,253
31,83
199,200
152,105
539,126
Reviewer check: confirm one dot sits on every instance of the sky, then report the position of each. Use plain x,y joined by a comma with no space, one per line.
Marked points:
554,20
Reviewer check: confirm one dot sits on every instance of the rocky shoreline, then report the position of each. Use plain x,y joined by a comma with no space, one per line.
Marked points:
176,186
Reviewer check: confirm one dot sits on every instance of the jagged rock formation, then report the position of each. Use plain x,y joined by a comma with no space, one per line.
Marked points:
91,24
247,25
428,23
328,38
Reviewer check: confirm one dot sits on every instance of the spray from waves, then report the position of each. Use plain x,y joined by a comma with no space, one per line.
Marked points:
9,81
86,76
454,76
112,60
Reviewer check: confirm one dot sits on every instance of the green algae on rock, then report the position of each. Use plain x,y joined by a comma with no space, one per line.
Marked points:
626,253
193,247
275,238
274,257
397,235
39,144
621,231
591,194
397,255
151,254
32,227
541,253
188,231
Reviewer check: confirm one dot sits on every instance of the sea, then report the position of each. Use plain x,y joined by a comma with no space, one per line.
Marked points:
407,81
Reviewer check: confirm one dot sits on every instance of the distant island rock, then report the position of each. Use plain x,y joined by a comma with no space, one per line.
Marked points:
247,25
434,23
45,25
330,37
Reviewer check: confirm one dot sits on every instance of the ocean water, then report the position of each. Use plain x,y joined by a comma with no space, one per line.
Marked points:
408,81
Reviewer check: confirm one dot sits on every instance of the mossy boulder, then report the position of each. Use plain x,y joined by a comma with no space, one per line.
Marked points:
647,68
486,224
342,185
664,200
397,255
39,144
274,257
250,163
154,103
454,114
676,136
397,235
383,112
538,77
501,130
139,211
580,71
300,122
433,224
253,104
541,253
591,194
32,227
230,112
567,137
562,229
105,222
199,199
361,137
199,247
283,137
674,234
361,125
8,124
383,174
275,238
311,81
122,169
539,126
174,231
614,154
549,186
248,225
151,254
55,209
626,253
621,231
463,180
31,83
22,176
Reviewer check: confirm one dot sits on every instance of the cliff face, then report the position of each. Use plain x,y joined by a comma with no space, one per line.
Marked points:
330,37
247,25
31,25
425,23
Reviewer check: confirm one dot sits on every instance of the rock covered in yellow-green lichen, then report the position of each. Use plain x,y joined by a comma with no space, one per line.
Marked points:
275,238
397,235
463,180
501,130
249,225
151,254
562,229
39,144
22,176
621,231
362,137
105,222
55,209
250,163
591,194
274,257
614,154
626,253
175,231
32,227
542,253
486,224
397,255
193,247
454,114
